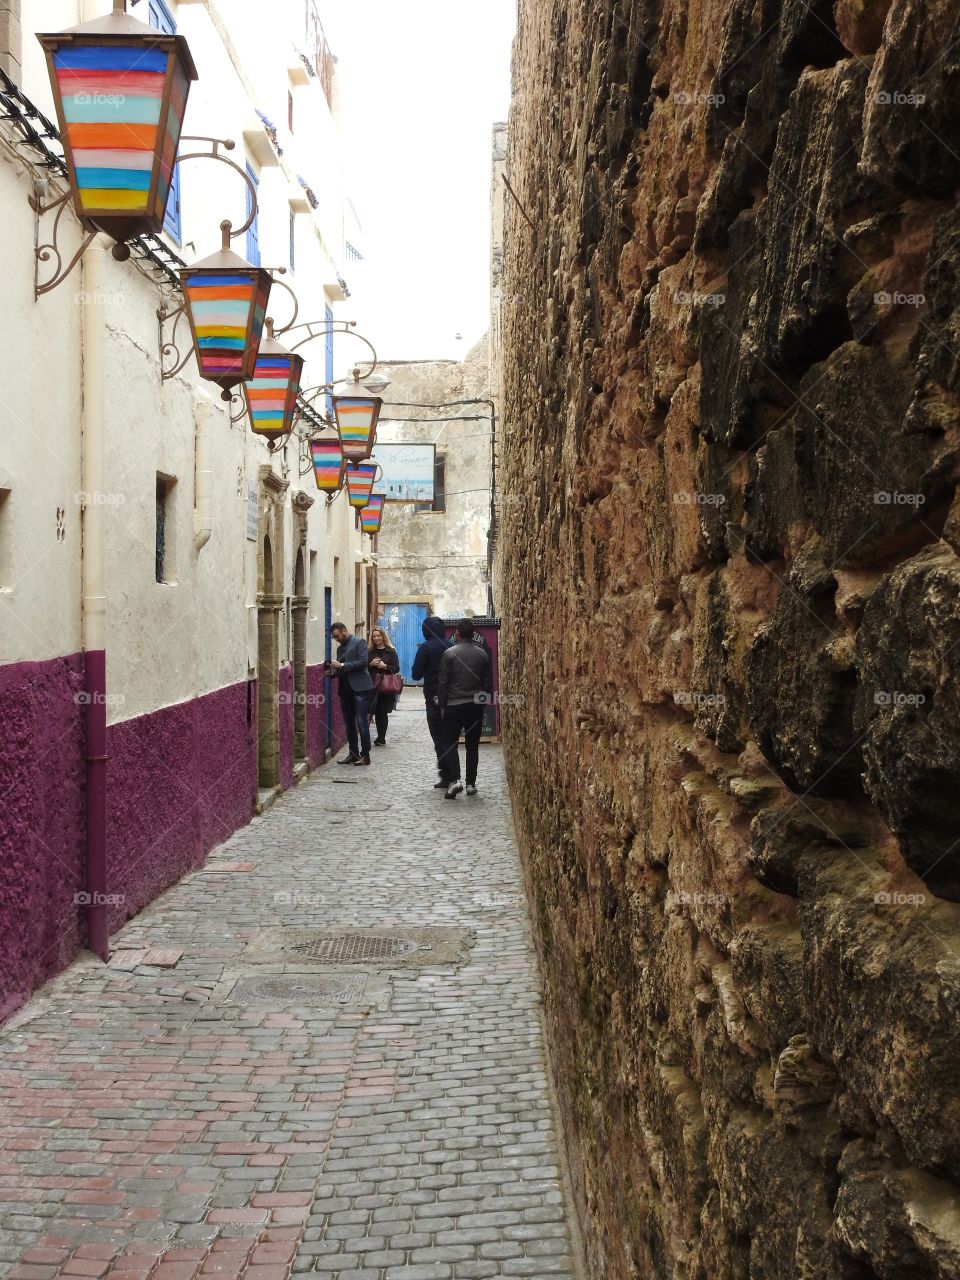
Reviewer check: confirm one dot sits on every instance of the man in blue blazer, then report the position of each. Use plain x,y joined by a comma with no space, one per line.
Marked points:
355,688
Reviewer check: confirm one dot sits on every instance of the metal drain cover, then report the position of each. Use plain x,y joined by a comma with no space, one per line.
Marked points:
344,948
281,990
387,946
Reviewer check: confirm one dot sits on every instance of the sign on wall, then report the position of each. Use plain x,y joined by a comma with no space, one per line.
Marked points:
407,471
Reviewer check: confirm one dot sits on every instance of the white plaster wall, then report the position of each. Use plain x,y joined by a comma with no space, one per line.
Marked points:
172,641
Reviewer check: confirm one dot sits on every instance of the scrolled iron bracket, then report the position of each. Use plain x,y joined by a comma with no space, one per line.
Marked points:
49,251
214,154
169,321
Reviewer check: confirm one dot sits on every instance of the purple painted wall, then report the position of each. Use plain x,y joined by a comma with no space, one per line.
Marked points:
316,717
179,781
41,823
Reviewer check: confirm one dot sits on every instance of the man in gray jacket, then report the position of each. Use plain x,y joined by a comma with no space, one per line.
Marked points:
355,688
462,694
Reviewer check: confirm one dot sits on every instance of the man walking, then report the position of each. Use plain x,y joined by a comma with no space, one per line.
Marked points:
355,690
463,692
426,667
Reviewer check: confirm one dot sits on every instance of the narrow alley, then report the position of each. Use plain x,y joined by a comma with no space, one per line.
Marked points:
247,1107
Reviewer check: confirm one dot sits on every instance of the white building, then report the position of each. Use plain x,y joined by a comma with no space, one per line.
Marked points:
224,564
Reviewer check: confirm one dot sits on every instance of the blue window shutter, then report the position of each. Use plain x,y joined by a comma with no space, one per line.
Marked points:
253,231
162,19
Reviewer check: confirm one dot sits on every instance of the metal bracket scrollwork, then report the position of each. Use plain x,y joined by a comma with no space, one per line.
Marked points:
48,251
169,347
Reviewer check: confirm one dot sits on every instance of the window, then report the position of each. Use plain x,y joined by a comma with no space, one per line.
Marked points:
161,19
253,231
439,502
165,564
290,110
293,240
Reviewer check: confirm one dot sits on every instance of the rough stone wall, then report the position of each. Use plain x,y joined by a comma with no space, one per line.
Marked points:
730,589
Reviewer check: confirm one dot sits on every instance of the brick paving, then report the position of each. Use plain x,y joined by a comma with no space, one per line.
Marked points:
152,1130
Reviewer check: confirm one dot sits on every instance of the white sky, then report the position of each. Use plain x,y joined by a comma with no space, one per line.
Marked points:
422,84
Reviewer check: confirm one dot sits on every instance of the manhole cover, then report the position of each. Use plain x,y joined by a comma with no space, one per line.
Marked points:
344,948
281,990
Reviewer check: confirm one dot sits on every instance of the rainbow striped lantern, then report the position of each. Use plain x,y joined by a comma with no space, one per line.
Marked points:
371,517
120,89
271,393
360,481
226,300
357,413
328,464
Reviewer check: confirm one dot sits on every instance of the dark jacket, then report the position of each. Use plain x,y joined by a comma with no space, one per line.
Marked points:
384,701
426,663
464,675
353,654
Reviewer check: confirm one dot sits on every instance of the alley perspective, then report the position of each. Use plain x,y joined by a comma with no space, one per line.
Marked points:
479,639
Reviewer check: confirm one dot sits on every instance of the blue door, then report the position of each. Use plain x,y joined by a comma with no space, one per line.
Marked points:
403,623
328,654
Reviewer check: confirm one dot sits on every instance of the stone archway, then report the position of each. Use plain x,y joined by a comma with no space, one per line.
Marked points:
269,604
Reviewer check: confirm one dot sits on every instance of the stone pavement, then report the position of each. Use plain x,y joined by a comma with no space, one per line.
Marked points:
152,1127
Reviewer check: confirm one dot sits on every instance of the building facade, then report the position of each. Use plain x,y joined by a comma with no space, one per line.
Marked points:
223,564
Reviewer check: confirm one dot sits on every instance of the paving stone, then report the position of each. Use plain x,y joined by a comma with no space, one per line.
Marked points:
406,1140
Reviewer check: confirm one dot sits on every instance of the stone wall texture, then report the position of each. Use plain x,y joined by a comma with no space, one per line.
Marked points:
730,588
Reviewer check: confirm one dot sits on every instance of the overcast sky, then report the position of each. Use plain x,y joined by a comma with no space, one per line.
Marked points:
423,84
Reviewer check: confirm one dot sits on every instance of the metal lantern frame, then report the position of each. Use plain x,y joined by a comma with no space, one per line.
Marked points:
357,413
371,516
324,449
364,476
223,274
110,36
286,366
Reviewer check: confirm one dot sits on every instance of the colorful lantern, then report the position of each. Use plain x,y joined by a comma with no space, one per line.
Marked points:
226,301
271,393
360,481
357,413
120,89
371,517
328,464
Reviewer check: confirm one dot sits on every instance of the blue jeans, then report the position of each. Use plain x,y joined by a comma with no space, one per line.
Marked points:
356,714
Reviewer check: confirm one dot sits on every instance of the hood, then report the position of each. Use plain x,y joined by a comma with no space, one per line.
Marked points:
434,628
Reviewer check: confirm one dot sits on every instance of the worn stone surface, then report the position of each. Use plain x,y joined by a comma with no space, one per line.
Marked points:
152,1125
728,575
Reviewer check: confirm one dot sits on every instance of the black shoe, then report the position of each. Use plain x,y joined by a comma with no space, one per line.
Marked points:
440,786
379,742
364,759
349,760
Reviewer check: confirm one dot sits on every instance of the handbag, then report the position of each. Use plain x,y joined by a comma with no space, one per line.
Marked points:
389,682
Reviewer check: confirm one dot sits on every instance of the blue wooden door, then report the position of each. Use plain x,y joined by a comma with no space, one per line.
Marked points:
403,623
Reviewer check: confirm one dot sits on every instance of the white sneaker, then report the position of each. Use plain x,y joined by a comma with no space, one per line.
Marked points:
453,791
471,789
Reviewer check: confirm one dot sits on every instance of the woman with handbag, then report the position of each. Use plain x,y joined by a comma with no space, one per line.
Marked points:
385,670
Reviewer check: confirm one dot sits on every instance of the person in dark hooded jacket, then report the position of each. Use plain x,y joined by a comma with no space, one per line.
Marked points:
426,667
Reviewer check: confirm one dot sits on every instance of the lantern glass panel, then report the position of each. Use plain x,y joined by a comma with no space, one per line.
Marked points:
227,310
360,480
272,393
327,456
357,418
121,97
371,517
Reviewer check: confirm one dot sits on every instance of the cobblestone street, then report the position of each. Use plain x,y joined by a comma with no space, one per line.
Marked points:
160,1121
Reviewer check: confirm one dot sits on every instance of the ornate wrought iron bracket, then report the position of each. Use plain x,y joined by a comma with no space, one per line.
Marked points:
49,251
214,154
